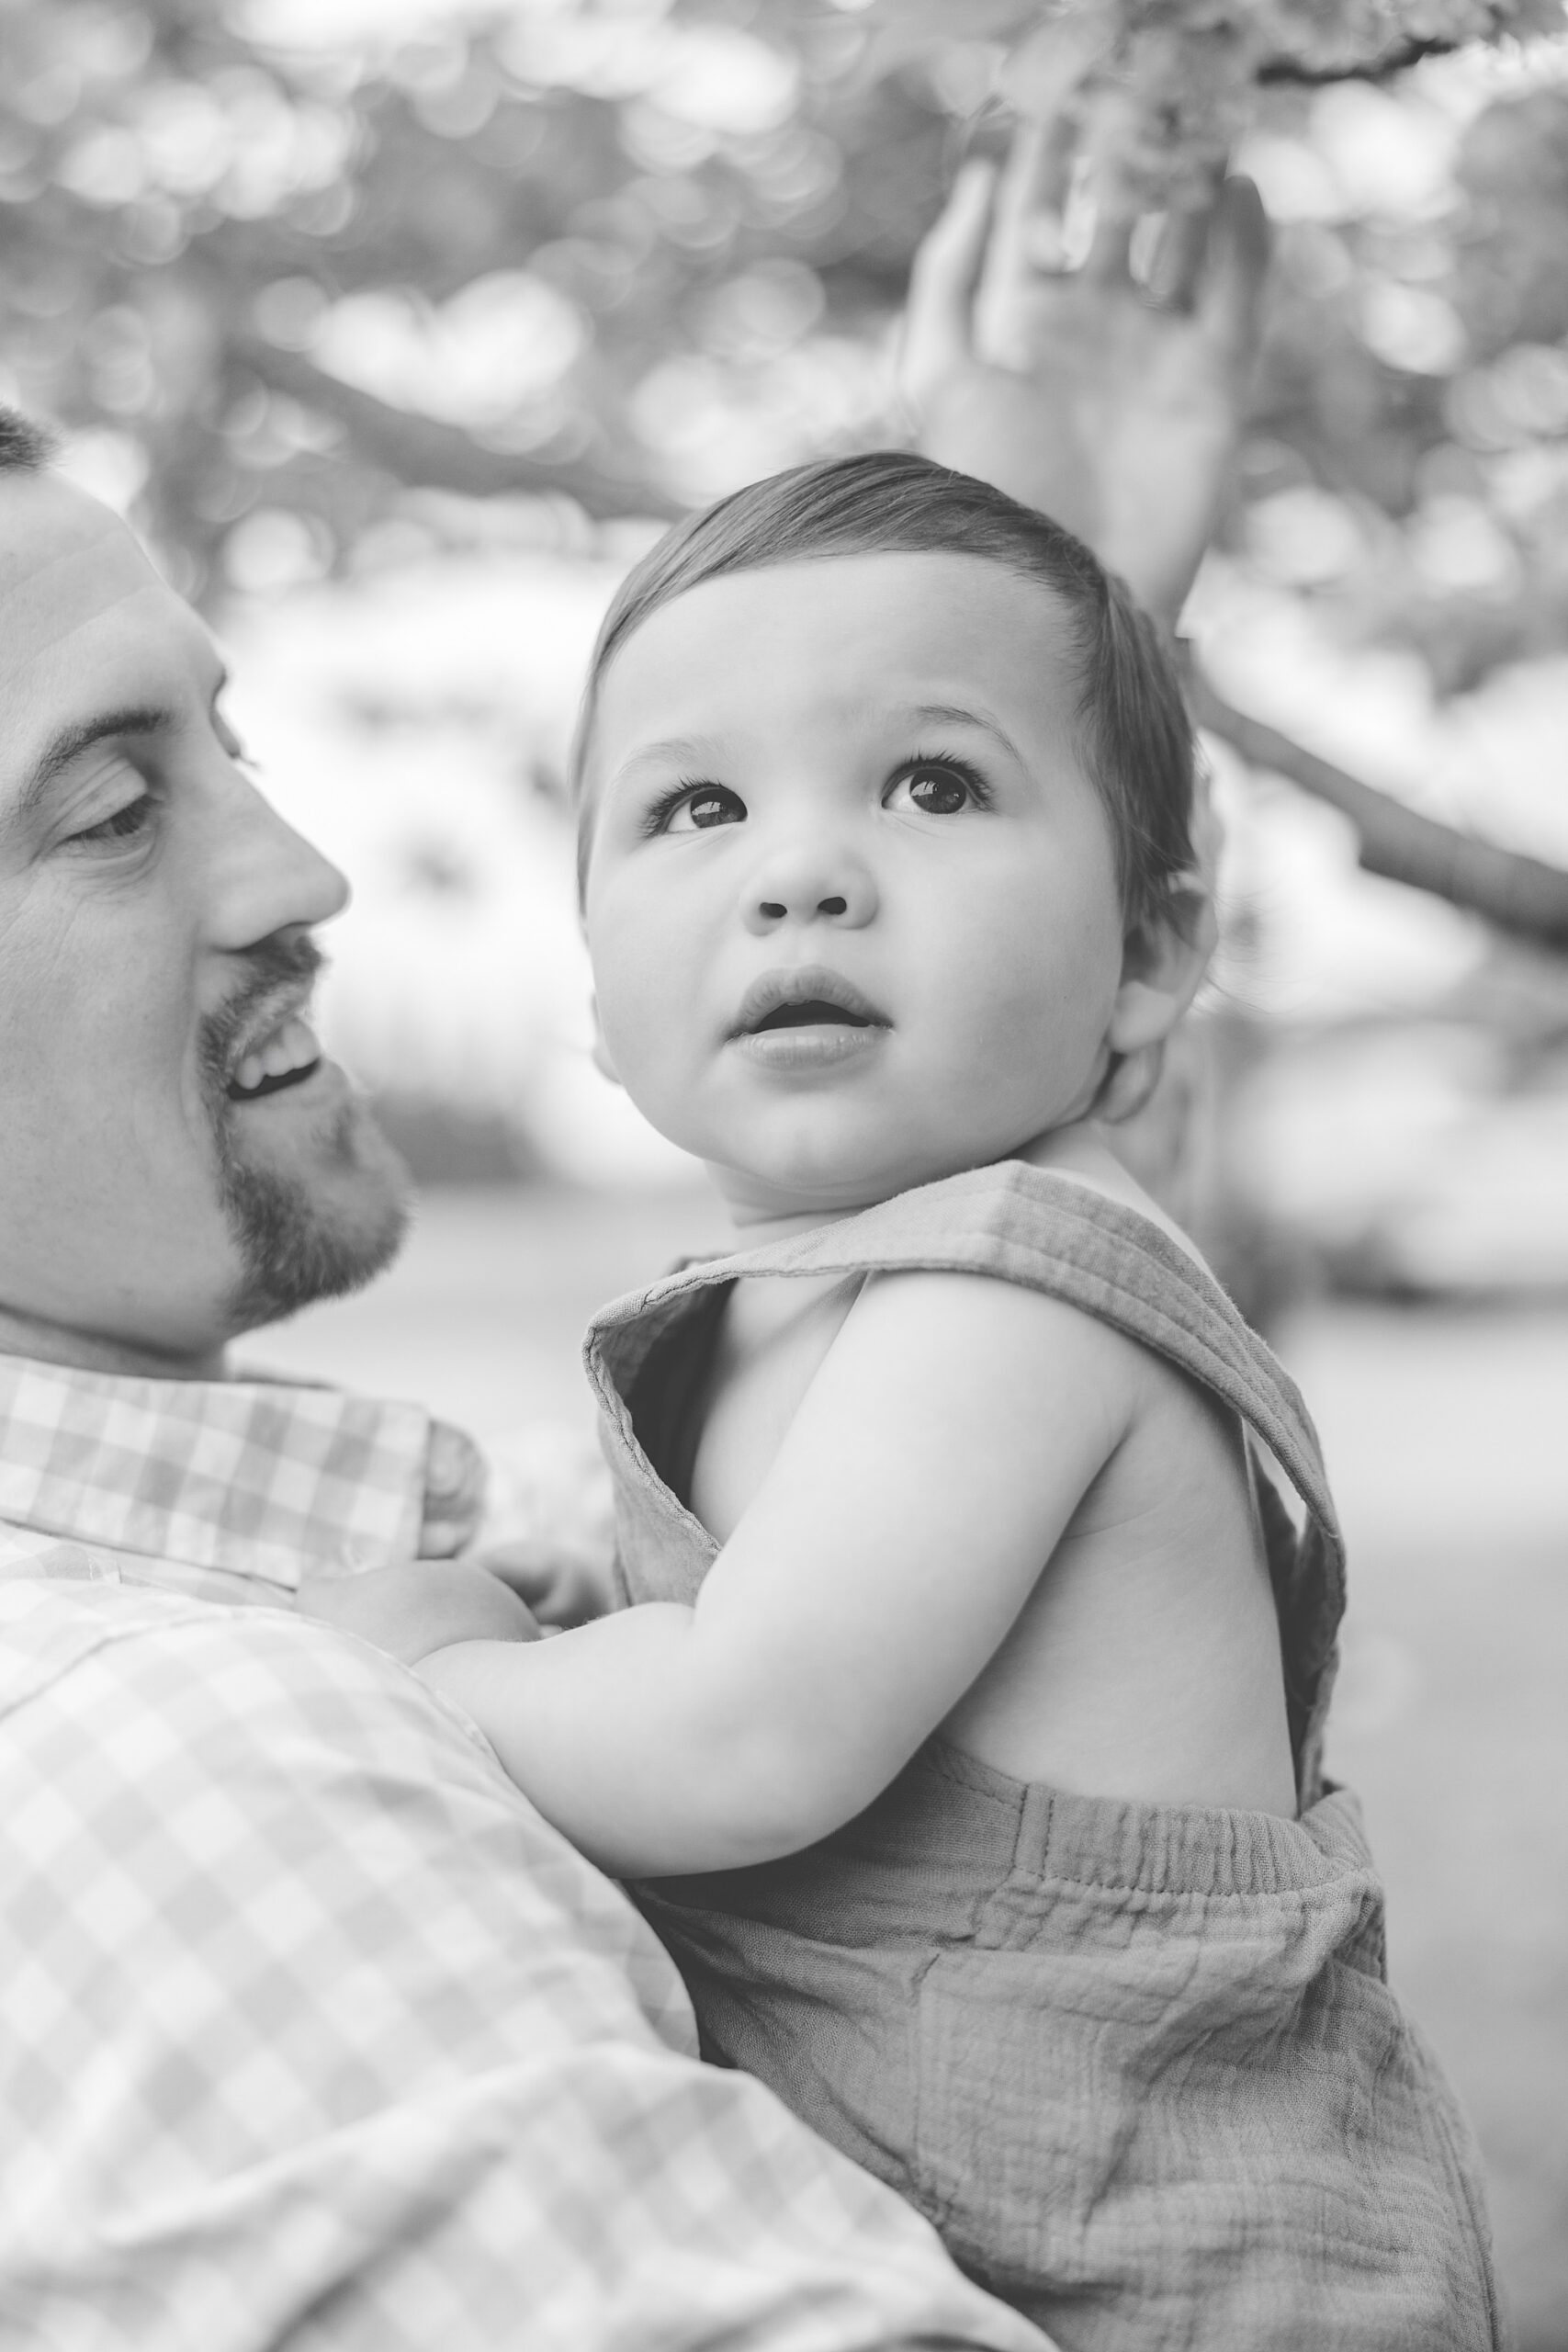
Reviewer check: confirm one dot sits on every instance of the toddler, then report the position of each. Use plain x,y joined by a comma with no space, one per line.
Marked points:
965,1740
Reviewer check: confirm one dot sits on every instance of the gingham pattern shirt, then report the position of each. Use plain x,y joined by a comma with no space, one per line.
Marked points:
313,2034
228,1488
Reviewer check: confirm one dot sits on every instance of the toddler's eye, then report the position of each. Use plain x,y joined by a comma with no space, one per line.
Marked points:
695,808
936,787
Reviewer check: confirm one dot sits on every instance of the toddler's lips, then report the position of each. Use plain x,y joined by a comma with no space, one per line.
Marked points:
806,1020
819,1047
810,995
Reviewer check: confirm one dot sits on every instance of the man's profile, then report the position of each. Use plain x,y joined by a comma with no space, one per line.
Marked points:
155,919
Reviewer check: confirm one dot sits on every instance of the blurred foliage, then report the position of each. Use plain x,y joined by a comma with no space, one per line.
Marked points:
306,287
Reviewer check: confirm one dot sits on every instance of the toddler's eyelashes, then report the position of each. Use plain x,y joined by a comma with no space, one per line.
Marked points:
936,788
701,806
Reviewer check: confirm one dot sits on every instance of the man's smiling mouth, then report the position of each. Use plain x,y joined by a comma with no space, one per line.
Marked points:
285,1055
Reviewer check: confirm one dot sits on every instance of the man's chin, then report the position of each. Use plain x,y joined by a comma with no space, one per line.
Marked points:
318,1230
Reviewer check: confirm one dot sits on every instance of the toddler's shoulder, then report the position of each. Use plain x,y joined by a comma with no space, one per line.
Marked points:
1055,1265
1005,1347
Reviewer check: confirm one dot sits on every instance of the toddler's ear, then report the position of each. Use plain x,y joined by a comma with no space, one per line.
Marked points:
1163,960
601,1051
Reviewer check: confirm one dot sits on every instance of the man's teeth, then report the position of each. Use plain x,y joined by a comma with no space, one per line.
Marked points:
291,1046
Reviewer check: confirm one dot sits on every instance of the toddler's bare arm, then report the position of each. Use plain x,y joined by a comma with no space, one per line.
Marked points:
901,1529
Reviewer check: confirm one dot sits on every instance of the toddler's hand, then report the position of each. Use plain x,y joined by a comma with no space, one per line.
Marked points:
560,1587
550,1529
420,1606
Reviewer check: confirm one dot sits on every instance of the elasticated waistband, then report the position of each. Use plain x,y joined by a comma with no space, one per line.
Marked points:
1106,1842
951,1832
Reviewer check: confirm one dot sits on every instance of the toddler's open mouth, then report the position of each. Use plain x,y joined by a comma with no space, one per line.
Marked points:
804,1016
810,997
807,1019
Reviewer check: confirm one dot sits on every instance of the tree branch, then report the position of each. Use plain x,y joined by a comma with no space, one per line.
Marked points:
1519,893
1396,59
424,450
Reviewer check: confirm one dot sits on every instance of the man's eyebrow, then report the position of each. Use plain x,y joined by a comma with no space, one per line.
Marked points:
954,714
141,718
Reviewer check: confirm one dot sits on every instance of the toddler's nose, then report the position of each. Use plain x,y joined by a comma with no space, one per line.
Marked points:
808,883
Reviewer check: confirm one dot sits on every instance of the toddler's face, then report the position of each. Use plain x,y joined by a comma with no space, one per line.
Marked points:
851,898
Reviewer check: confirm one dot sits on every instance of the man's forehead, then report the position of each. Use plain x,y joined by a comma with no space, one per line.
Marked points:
69,565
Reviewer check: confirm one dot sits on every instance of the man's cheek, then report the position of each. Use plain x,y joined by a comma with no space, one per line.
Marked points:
49,1013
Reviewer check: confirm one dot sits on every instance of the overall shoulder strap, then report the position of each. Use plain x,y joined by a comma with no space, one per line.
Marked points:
1060,1235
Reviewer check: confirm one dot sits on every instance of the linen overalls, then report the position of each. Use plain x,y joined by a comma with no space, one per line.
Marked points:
1139,2064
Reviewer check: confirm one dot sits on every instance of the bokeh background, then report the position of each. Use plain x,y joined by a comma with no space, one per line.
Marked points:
400,326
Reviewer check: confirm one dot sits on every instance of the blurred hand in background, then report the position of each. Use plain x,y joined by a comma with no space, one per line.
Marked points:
1114,405
548,1529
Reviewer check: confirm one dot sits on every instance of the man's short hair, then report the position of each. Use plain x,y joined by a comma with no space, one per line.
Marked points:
25,448
1133,728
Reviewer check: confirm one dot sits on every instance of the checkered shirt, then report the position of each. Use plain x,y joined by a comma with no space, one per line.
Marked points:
314,2035
225,1489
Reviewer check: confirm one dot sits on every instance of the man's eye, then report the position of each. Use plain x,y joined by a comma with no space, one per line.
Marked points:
132,818
936,788
695,808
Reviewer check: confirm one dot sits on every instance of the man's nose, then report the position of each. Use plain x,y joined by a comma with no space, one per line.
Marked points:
264,876
810,880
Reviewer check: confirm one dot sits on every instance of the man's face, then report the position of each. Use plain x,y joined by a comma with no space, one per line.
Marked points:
177,1160
851,896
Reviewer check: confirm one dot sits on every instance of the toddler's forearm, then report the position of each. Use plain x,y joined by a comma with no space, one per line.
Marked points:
626,1739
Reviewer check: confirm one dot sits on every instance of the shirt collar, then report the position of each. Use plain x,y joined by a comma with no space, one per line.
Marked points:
259,1477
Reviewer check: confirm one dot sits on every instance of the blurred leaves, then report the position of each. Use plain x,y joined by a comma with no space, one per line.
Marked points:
618,254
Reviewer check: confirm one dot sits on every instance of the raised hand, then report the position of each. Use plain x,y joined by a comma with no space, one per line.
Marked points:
1112,405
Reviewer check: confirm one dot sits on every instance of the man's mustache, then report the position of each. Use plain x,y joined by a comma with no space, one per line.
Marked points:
282,961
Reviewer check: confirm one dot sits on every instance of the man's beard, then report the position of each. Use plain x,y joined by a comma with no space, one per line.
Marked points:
292,1249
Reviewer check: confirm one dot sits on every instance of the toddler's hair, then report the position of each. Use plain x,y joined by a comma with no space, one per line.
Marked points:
1134,731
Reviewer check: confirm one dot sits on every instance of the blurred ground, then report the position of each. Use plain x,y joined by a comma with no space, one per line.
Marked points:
1444,1432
